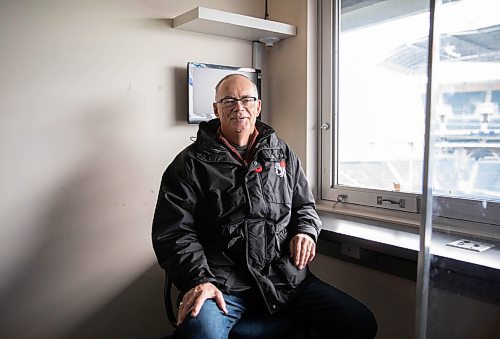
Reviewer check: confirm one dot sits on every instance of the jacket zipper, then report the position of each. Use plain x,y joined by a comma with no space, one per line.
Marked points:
251,271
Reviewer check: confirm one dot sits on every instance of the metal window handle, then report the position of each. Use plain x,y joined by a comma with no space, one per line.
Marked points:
325,126
400,202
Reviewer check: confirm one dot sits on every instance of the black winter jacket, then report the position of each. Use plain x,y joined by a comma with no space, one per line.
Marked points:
215,216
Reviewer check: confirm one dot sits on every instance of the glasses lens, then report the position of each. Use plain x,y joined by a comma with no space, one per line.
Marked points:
246,102
228,102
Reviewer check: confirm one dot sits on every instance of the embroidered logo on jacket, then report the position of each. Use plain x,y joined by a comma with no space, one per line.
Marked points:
280,168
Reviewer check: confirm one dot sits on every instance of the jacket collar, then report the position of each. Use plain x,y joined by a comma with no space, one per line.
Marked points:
210,149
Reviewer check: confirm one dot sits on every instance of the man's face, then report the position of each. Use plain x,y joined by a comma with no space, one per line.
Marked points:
240,116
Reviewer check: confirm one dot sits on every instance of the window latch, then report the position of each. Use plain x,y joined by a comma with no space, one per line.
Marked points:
400,202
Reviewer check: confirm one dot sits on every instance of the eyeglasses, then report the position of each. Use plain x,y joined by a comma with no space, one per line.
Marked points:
230,102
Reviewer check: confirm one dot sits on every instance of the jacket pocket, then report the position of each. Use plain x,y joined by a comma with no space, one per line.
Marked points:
275,177
290,272
220,265
223,237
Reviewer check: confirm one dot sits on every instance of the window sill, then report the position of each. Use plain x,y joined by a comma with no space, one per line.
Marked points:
393,248
405,236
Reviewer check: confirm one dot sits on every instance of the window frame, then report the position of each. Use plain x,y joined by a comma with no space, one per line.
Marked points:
455,214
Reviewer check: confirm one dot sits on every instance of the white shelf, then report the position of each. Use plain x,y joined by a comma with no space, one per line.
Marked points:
211,21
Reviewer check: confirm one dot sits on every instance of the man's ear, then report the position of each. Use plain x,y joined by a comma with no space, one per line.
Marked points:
216,109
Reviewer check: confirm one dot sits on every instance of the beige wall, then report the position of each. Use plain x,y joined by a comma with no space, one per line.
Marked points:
92,108
291,80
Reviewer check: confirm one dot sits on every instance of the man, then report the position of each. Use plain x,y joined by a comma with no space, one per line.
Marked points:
235,227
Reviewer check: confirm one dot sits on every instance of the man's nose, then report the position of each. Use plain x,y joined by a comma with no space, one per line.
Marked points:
238,106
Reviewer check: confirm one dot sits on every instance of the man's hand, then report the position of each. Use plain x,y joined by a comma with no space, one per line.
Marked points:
194,299
302,250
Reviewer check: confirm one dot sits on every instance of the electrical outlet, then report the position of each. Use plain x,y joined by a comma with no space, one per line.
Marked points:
350,251
471,245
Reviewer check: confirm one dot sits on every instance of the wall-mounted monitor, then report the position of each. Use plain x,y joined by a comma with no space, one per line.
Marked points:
202,79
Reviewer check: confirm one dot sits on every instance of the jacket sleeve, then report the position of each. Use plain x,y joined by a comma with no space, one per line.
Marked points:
304,217
174,234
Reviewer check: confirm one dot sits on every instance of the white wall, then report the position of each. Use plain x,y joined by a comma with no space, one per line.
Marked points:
291,70
92,109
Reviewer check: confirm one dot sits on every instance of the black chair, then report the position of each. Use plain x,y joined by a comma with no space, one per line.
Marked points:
249,327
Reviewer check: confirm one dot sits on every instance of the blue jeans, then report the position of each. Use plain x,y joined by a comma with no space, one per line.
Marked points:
329,312
211,322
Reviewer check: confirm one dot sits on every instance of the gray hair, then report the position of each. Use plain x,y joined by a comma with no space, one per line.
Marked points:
233,75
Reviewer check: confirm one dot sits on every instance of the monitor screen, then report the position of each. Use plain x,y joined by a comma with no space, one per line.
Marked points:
202,79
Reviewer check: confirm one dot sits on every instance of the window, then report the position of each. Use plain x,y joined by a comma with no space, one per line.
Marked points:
374,63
